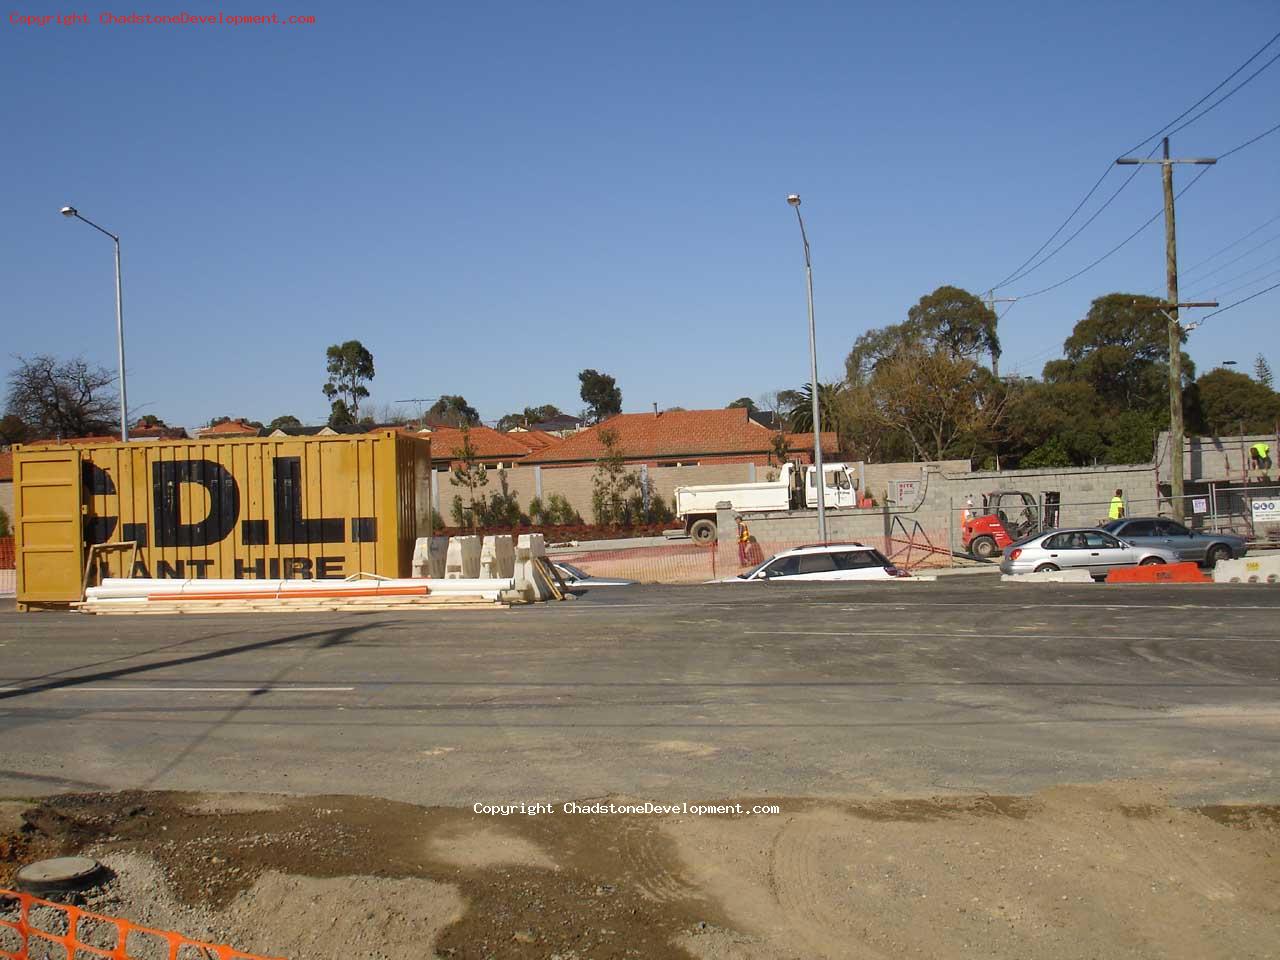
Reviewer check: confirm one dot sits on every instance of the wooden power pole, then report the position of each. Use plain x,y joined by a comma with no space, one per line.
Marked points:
992,300
1177,428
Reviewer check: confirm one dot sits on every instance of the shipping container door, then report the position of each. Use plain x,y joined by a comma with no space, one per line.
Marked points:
49,532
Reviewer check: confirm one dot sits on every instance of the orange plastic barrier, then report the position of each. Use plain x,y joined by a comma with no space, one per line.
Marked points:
39,939
1160,573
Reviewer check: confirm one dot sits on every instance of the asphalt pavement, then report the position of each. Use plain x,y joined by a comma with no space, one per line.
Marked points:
965,685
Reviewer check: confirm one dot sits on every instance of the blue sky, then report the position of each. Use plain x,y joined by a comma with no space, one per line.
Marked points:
493,196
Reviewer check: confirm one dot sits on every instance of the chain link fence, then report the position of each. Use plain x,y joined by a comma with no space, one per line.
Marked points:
1251,512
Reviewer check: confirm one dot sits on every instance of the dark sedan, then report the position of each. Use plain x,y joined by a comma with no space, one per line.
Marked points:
1201,546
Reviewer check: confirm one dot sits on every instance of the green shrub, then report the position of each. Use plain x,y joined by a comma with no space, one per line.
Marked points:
5,531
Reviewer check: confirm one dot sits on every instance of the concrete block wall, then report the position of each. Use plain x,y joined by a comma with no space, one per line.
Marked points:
572,483
666,479
878,476
1085,492
1214,458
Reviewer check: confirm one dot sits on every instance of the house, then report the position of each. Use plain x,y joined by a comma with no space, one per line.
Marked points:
228,428
324,431
681,438
563,425
493,449
537,439
140,432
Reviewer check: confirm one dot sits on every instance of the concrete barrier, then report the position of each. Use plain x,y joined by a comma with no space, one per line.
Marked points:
1248,570
462,562
497,557
1048,576
1185,572
428,557
528,584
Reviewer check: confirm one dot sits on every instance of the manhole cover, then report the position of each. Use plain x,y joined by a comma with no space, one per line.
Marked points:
60,873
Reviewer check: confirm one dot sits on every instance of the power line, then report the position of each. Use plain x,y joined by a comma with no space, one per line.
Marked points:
1018,272
1226,96
1231,76
1148,223
1061,227
1239,276
1081,272
1236,259
1256,280
1255,230
1080,229
1230,306
1249,143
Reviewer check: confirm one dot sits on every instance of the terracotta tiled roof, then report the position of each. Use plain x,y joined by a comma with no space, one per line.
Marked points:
6,466
488,443
229,428
800,442
536,439
673,433
157,433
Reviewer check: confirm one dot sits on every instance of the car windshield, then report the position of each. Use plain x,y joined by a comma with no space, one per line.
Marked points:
1113,526
754,570
576,572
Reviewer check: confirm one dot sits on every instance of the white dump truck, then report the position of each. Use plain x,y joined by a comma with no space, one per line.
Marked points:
696,506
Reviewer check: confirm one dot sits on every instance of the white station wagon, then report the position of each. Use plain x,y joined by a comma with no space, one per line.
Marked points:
829,561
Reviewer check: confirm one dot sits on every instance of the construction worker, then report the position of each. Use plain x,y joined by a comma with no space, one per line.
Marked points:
1117,506
967,513
1260,454
744,543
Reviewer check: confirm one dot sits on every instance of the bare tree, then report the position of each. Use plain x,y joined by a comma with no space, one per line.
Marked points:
942,403
60,399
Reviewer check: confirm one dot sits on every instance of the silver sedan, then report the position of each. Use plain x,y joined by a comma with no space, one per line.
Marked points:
1084,548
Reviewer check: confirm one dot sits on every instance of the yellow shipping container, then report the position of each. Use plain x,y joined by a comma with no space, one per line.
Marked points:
247,508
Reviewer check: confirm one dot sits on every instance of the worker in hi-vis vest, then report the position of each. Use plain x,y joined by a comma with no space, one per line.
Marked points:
1260,453
1117,506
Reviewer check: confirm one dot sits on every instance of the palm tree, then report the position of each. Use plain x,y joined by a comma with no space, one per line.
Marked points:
800,415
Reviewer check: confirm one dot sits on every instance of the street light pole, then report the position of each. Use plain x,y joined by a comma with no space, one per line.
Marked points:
818,481
124,400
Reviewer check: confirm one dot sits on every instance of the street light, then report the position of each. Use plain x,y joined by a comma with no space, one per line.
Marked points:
794,200
124,403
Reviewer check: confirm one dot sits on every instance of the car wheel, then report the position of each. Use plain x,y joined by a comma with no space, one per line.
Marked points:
1216,555
1048,568
984,548
703,531
1151,562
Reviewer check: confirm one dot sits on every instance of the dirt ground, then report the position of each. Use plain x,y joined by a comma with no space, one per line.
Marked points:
1097,872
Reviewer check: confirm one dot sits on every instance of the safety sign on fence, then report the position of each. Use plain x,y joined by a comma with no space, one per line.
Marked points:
1265,511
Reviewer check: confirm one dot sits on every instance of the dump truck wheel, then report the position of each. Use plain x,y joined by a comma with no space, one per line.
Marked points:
703,531
984,548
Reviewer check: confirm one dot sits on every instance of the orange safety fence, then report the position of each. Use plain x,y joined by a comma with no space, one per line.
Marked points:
8,559
686,562
35,929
